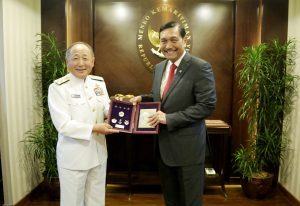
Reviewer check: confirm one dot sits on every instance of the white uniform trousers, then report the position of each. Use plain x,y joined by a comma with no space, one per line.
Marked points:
82,187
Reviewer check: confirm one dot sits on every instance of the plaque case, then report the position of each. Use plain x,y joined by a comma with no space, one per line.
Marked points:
130,118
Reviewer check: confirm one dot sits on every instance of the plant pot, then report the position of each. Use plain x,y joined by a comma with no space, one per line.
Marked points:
258,187
53,188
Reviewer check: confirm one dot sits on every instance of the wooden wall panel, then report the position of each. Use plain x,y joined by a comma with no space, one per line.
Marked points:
54,18
117,58
275,20
246,34
79,21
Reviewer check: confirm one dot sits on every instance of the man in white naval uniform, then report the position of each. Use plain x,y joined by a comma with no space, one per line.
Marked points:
78,104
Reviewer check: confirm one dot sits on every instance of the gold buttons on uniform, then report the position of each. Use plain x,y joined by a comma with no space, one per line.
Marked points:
90,98
94,109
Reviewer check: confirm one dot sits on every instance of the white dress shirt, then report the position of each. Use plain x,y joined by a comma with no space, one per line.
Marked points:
167,71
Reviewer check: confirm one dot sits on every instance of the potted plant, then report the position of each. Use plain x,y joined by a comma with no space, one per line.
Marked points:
268,89
40,141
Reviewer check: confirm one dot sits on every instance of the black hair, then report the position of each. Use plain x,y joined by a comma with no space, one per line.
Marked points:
172,24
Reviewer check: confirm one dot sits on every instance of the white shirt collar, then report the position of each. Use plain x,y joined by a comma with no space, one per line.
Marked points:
76,80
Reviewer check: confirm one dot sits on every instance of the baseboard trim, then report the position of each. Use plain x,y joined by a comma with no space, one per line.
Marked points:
290,198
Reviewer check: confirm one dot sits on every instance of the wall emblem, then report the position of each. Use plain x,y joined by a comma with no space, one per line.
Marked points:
148,33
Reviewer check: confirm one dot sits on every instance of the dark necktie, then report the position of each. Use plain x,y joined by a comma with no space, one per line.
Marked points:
170,79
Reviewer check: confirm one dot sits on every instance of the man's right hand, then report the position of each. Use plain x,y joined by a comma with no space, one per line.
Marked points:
104,128
135,100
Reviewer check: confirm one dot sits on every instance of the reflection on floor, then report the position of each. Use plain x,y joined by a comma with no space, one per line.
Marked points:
139,195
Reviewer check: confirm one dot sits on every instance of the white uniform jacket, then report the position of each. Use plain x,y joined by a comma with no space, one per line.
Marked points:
75,106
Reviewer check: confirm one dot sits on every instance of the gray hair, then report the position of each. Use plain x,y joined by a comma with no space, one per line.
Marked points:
68,52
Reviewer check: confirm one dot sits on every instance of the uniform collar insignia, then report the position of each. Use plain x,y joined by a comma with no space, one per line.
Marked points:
96,78
62,80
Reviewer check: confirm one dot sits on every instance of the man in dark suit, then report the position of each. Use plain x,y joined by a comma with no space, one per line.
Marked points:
186,99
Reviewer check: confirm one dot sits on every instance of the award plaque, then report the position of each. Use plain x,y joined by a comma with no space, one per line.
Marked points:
130,118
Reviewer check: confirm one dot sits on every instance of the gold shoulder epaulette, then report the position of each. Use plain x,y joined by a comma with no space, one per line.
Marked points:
96,78
62,80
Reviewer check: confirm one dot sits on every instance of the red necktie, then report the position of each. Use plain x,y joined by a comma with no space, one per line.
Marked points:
170,79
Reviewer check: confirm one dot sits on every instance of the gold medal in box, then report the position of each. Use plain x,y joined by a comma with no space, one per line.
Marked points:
121,97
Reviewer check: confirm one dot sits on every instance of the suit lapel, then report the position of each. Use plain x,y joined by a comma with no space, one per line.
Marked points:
182,68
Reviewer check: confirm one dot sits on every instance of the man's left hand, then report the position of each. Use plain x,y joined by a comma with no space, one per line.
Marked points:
157,118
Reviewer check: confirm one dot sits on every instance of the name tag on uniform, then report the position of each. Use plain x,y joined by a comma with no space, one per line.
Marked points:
75,95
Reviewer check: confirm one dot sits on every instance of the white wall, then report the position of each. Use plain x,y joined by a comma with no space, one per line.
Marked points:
289,176
19,22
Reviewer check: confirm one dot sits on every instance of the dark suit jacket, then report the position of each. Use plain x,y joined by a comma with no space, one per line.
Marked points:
189,100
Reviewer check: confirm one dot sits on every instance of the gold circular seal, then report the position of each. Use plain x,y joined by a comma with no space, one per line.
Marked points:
148,33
